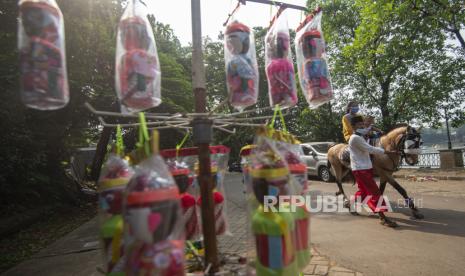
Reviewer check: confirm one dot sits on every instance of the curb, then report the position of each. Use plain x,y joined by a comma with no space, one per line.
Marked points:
439,177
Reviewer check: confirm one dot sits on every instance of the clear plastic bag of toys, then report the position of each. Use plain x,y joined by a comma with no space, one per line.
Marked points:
137,74
241,65
219,156
291,151
272,220
114,177
154,230
41,46
312,63
282,88
184,177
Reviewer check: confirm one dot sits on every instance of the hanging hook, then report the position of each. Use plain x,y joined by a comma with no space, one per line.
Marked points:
231,14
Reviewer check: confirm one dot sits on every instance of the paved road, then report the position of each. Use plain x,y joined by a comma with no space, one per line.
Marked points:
433,246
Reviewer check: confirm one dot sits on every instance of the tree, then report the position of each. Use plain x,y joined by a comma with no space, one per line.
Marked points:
392,60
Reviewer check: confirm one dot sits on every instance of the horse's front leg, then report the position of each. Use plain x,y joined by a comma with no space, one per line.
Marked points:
410,202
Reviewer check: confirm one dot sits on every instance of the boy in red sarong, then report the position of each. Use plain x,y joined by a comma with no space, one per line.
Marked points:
362,169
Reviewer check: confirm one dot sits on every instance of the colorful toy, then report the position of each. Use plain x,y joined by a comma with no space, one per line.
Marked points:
219,160
241,65
218,200
116,173
311,62
188,202
273,231
154,238
138,70
43,78
279,68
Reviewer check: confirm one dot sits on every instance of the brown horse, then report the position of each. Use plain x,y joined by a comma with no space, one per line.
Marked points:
406,140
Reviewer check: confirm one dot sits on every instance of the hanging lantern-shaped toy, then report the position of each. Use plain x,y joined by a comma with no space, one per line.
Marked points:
154,232
41,43
241,65
137,66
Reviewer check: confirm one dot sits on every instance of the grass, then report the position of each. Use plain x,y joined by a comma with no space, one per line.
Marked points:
57,223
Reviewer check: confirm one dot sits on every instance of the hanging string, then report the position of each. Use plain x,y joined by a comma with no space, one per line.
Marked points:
179,146
119,141
308,18
280,10
277,111
232,13
143,134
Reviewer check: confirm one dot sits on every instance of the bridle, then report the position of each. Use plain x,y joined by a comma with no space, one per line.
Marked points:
409,143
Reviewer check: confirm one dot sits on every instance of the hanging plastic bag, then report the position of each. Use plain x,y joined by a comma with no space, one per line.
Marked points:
115,175
219,160
153,223
291,151
138,76
241,65
279,67
273,225
312,65
41,45
184,178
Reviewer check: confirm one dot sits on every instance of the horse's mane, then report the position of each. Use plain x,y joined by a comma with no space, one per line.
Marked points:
388,141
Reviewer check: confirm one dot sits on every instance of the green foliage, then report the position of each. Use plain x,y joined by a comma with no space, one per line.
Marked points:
392,60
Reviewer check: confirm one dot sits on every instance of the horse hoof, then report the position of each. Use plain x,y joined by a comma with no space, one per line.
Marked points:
417,215
353,213
389,223
346,204
338,193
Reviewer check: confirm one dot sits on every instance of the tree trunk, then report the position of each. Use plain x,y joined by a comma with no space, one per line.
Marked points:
459,37
100,152
385,112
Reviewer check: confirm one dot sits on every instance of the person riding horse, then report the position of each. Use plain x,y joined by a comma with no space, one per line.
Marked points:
351,110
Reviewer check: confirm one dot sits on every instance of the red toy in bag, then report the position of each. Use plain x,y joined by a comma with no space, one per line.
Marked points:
41,45
241,65
137,67
154,232
311,60
279,68
183,178
219,161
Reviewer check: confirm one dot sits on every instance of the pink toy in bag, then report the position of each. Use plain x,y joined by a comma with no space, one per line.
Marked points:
138,76
279,68
154,230
41,45
311,62
241,65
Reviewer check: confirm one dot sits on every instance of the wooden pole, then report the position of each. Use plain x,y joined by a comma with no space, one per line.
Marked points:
202,128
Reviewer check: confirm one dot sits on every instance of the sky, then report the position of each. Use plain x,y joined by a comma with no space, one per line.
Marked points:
177,13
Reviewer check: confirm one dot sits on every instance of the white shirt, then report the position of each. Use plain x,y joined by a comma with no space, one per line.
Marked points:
360,153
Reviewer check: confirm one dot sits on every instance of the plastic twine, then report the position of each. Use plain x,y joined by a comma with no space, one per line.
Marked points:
143,134
119,141
277,111
179,146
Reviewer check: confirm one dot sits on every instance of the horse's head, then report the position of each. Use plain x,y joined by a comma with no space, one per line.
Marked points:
409,142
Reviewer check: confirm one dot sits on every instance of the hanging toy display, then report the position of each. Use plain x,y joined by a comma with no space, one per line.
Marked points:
241,65
154,230
218,200
279,68
41,46
116,173
312,62
219,160
138,76
291,151
182,175
273,230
